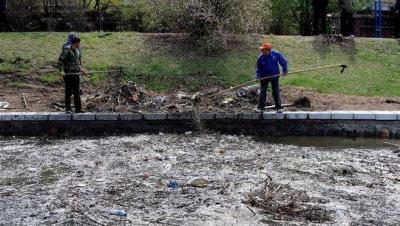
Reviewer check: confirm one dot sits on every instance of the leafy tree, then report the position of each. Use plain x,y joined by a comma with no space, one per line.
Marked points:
23,15
281,16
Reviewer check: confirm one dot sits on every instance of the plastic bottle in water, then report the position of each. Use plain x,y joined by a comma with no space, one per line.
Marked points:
173,184
119,213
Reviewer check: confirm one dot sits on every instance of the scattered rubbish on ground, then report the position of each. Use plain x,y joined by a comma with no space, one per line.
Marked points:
249,91
161,99
126,96
4,105
183,96
58,106
196,98
228,100
389,101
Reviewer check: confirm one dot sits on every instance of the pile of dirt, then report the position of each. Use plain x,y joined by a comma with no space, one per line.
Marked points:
130,97
281,202
123,98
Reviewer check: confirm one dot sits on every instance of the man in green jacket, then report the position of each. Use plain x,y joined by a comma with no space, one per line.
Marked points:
70,65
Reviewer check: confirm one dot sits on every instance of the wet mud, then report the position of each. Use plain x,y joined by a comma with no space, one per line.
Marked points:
198,179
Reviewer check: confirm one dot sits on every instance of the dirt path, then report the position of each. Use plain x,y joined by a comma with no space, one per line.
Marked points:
103,98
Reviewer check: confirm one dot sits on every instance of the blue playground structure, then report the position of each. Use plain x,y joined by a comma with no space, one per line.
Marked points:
378,18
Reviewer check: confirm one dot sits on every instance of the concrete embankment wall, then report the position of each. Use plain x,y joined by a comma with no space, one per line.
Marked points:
339,123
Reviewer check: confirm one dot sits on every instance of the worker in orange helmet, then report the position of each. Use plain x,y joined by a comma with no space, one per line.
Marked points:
268,65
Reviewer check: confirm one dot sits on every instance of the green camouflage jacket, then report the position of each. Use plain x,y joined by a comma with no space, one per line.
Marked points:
70,60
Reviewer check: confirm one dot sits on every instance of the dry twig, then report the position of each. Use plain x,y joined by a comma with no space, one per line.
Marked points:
24,100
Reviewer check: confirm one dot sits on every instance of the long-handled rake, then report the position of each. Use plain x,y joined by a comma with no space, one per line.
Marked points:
343,66
120,71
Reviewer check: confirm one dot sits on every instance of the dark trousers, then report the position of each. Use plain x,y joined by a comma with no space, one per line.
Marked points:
346,23
72,83
275,93
319,20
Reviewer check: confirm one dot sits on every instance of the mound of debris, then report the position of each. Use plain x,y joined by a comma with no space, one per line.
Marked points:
283,203
123,98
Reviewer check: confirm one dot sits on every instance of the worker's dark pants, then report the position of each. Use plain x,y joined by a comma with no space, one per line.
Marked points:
275,93
397,29
72,83
346,23
319,20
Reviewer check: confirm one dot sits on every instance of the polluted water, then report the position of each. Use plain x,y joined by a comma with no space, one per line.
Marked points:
198,179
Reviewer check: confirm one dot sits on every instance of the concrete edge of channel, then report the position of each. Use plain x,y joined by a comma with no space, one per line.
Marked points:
300,115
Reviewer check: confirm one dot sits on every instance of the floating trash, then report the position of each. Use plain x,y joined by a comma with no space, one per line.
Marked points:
173,184
119,213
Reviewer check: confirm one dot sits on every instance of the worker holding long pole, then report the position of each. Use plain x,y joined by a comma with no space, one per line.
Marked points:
268,65
70,65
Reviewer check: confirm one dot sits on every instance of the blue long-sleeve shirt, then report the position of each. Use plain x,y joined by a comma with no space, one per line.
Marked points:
269,65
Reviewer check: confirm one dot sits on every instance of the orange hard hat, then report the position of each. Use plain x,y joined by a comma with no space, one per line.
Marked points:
266,45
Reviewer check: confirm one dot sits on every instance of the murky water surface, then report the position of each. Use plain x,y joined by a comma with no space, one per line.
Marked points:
79,181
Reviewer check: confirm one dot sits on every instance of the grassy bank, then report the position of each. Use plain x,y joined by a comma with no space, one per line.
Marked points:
162,63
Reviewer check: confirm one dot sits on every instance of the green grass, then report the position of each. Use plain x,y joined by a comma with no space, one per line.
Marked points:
16,84
159,65
51,79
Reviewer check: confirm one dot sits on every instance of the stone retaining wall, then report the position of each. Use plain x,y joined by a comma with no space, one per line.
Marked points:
335,123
